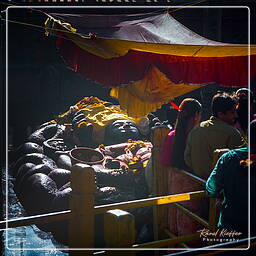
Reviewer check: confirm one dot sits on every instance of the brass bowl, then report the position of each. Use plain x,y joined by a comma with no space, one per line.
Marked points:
85,155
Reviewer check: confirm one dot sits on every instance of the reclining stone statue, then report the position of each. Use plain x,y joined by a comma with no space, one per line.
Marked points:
43,164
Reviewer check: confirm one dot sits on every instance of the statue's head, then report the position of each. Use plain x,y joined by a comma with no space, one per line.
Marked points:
120,131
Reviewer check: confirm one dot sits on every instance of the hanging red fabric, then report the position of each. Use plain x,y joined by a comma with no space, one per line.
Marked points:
227,71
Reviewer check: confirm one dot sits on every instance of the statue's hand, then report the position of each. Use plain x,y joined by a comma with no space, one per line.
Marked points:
77,119
83,133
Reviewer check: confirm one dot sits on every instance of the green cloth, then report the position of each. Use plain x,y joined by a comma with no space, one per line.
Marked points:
203,139
227,176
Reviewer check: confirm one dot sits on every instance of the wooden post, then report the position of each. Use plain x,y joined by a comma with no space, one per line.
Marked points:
81,225
119,231
212,217
160,182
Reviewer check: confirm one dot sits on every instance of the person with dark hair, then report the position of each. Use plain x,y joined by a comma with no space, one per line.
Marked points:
224,107
189,115
172,155
243,107
216,133
230,176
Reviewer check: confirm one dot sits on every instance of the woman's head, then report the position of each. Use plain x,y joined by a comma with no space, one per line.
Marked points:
189,112
189,115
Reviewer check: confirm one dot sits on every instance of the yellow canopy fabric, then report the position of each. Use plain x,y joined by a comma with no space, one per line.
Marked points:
112,47
150,93
154,56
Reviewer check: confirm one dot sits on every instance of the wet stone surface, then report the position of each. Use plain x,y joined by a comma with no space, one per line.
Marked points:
27,240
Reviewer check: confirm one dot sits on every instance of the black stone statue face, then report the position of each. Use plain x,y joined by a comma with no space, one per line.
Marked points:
120,131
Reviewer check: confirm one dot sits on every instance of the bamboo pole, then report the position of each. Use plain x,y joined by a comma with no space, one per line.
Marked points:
57,216
171,235
161,200
192,215
81,224
193,177
63,215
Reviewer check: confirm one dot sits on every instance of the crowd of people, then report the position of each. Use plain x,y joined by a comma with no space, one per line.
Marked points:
190,146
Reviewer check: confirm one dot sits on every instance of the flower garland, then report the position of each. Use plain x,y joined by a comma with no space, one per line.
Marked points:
135,144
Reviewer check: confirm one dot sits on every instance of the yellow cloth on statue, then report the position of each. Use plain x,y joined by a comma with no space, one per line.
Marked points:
100,116
147,95
86,101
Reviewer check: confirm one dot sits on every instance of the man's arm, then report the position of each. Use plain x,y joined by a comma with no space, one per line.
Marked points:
235,139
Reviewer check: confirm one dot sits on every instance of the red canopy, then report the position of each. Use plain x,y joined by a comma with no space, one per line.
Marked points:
127,50
129,44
